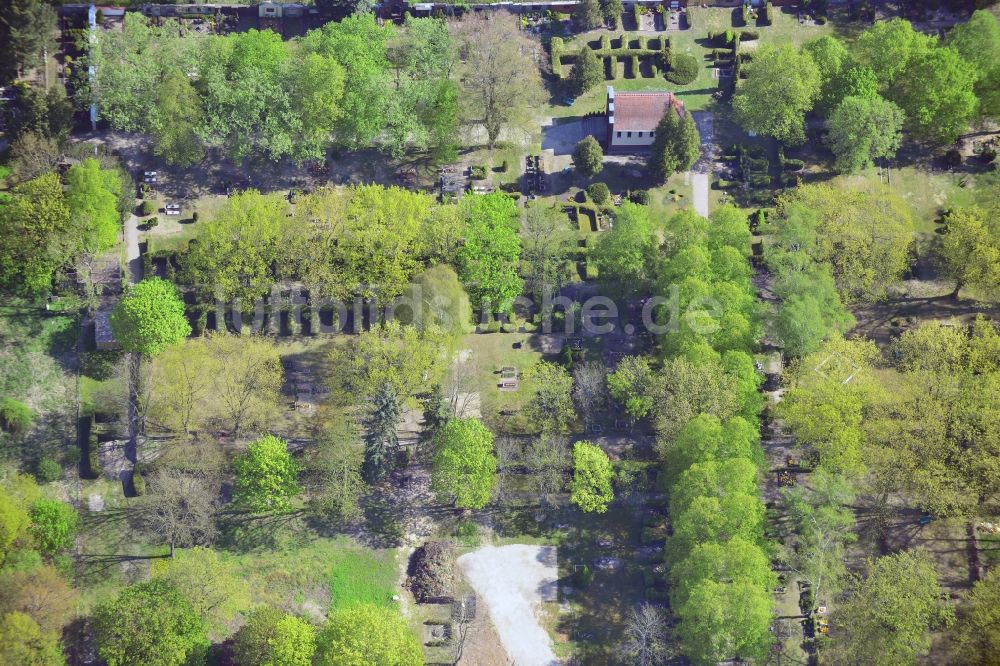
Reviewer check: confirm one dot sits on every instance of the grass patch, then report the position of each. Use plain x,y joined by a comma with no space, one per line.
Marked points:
362,577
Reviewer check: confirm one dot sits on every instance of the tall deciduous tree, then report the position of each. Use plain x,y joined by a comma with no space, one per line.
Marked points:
863,232
489,259
976,633
266,476
92,196
892,612
149,317
936,92
548,240
832,59
22,641
592,474
781,87
170,633
381,442
465,467
365,634
175,119
333,470
969,251
863,130
499,73
35,236
626,254
888,47
676,145
978,42
646,637
214,586
272,638
180,508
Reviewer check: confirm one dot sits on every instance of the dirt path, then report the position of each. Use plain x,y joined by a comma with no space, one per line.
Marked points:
513,581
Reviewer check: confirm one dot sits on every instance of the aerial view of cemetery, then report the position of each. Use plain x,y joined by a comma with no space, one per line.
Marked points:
576,332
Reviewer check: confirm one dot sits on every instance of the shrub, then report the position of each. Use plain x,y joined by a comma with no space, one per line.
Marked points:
759,180
194,216
478,172
49,470
504,166
492,327
599,193
147,208
637,15
729,38
102,363
639,196
149,224
15,416
683,69
953,158
689,18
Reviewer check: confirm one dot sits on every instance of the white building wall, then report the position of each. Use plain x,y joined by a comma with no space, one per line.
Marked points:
635,140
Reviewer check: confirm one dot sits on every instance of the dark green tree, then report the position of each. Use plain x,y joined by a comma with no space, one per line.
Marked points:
28,28
149,623
588,15
676,145
587,71
381,442
613,10
588,158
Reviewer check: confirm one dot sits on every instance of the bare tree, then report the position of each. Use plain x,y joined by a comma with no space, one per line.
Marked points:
590,389
500,73
646,640
180,508
548,462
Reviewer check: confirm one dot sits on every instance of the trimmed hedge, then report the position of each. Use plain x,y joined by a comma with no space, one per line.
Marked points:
635,67
138,483
556,46
767,14
93,453
147,208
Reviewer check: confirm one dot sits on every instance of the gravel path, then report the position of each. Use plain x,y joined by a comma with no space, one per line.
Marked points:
513,581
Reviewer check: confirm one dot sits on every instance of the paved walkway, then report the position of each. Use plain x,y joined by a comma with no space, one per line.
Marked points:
132,255
701,173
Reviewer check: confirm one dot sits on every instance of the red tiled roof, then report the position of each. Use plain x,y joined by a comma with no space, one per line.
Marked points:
643,111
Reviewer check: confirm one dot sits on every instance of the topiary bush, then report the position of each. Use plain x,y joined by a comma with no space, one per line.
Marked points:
599,193
147,208
15,417
683,69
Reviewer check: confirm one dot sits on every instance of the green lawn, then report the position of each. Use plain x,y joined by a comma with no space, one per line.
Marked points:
697,94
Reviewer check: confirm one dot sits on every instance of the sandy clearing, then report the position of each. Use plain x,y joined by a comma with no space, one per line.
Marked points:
513,581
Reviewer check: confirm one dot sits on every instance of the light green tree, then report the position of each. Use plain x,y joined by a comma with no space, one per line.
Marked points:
969,252
590,488
936,93
211,584
23,642
92,196
149,317
365,634
171,632
274,638
266,476
53,525
890,615
35,236
978,42
465,467
863,130
488,261
781,87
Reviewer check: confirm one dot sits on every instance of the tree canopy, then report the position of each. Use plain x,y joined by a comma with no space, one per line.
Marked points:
149,317
465,466
365,634
266,476
592,473
274,638
676,145
781,87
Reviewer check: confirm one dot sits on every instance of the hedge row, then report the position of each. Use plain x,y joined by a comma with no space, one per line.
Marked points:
557,46
767,14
